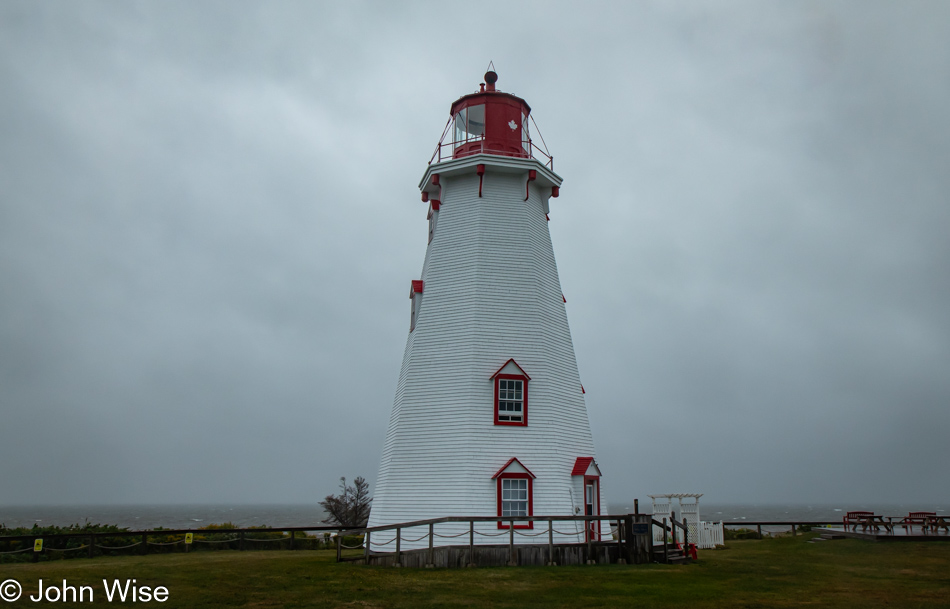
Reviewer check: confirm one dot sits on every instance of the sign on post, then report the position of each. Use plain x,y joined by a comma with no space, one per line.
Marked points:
641,528
38,545
189,537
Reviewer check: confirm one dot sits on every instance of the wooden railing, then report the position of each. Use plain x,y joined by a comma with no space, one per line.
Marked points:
794,524
633,545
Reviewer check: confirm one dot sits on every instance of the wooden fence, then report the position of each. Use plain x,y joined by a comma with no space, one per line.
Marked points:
630,541
66,544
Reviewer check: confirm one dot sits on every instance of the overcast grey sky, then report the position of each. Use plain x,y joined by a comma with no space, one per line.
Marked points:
209,217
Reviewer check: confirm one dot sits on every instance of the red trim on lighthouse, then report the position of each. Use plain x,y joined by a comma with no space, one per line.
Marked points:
416,287
505,466
425,197
532,176
580,466
564,299
435,179
511,361
480,170
435,204
555,191
524,399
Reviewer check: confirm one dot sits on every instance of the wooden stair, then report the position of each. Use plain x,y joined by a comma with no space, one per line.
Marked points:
676,555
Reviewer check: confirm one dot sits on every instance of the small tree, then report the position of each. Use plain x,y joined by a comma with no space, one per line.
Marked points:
351,507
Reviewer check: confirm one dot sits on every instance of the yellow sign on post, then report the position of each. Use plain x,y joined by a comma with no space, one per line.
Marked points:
38,545
189,537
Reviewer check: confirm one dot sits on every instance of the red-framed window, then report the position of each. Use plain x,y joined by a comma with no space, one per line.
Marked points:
515,494
415,295
511,395
515,498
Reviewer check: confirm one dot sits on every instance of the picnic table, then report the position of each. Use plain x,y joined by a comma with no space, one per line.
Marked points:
873,522
939,522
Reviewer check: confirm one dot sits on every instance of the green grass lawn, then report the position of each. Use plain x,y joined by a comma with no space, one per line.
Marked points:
782,572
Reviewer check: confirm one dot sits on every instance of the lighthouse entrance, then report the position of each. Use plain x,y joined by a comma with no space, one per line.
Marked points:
592,507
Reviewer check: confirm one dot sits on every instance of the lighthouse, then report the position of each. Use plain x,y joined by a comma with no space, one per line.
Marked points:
489,417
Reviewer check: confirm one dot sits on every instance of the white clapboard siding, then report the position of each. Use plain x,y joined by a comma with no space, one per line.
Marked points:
491,292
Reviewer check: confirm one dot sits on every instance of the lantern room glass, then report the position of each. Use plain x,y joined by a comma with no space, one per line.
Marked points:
470,124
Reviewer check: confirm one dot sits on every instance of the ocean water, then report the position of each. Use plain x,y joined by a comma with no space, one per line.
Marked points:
143,517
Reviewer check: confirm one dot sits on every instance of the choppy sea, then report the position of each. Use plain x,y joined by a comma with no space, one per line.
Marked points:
143,517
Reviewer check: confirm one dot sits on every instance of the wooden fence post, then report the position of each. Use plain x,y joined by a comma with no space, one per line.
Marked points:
666,544
92,545
144,543
589,534
512,562
339,545
551,562
431,563
621,560
685,538
292,540
241,541
471,543
758,529
651,550
398,547
630,540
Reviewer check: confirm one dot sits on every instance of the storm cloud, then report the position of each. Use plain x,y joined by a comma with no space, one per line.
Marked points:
209,217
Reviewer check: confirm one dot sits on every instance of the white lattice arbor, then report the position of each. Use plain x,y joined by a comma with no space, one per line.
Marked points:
703,534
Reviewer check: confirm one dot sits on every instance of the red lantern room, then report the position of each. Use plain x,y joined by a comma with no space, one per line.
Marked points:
488,121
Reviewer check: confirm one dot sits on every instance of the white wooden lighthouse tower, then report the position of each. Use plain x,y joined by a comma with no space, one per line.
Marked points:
489,416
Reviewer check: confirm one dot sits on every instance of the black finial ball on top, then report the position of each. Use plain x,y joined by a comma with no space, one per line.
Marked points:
490,77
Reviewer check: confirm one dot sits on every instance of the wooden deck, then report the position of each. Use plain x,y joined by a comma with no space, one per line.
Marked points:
898,534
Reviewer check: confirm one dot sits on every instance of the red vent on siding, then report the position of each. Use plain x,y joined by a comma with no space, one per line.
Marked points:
416,287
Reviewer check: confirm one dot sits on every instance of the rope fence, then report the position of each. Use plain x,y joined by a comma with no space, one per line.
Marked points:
138,543
44,546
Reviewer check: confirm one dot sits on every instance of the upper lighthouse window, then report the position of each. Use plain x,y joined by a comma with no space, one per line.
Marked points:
511,394
470,124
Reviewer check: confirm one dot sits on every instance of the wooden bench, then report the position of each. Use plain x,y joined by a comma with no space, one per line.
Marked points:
919,519
855,518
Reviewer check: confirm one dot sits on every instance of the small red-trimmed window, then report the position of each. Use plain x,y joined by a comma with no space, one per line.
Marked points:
515,488
433,217
511,394
415,294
